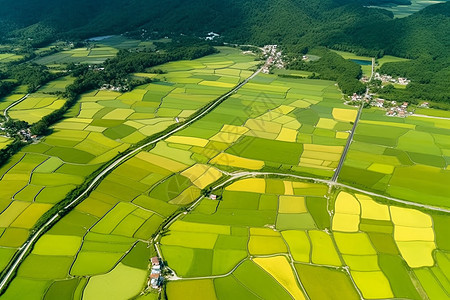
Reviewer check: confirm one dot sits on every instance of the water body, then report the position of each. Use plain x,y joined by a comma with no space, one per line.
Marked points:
362,62
100,38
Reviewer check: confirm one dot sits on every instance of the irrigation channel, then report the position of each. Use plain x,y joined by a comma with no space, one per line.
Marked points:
53,219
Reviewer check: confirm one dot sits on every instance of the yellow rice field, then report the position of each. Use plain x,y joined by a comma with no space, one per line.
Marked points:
162,162
292,205
281,270
261,125
234,129
404,234
287,135
373,285
30,215
202,175
344,115
342,135
288,188
417,254
264,245
326,123
347,204
346,222
381,168
226,137
373,210
226,159
186,140
410,217
254,185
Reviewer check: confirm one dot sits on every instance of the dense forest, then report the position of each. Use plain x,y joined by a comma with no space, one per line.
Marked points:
298,25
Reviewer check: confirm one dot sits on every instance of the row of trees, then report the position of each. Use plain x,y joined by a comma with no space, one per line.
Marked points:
29,74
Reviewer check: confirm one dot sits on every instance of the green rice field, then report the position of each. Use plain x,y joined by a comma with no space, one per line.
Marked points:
104,124
9,57
38,104
95,55
265,237
405,158
365,248
4,141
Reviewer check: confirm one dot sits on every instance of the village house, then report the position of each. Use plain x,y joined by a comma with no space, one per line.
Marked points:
384,78
155,279
379,102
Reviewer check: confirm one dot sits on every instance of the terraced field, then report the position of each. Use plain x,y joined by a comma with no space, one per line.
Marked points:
406,158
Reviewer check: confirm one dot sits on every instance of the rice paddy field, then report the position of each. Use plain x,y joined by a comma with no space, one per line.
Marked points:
104,242
35,107
265,238
4,141
102,125
9,57
38,104
405,158
94,55
276,239
273,123
13,97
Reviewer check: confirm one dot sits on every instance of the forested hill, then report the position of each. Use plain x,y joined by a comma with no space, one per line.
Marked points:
333,23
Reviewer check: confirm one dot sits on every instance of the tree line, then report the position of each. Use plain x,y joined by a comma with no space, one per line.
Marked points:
332,66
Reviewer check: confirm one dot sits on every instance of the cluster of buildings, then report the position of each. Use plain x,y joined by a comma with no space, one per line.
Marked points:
109,87
155,280
275,58
356,97
398,110
389,79
393,108
26,135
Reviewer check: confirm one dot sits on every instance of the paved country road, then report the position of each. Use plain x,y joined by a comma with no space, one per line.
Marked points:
5,112
430,117
352,133
347,146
